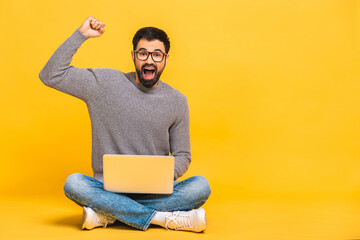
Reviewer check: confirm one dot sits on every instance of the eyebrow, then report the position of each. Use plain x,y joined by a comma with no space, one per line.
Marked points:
154,49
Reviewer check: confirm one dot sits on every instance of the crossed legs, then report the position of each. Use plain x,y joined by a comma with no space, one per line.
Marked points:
136,210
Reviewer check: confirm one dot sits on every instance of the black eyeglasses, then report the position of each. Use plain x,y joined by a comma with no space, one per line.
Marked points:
143,55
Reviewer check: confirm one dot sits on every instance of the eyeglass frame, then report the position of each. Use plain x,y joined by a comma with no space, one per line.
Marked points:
149,53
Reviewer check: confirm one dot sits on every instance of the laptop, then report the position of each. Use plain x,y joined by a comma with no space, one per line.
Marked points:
138,173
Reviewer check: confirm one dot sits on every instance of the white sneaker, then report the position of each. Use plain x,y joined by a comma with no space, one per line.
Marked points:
194,220
91,219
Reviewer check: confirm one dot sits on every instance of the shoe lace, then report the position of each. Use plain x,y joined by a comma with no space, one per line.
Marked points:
103,220
181,220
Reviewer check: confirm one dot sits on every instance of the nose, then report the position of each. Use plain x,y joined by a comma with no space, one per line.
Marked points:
149,60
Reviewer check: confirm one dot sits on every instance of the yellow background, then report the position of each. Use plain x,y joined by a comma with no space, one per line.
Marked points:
273,88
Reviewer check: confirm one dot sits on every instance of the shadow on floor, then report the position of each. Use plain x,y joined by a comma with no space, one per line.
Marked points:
75,221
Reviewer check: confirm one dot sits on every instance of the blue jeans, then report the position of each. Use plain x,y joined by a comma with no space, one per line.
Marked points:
136,210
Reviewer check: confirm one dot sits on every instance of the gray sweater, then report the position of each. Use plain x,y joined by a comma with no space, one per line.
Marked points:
126,118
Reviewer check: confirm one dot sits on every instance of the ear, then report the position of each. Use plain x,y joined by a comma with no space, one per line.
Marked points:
133,56
166,59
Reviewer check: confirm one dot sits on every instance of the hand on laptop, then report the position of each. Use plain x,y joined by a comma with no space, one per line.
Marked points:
92,27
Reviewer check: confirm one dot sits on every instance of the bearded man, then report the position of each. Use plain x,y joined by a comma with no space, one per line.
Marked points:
136,114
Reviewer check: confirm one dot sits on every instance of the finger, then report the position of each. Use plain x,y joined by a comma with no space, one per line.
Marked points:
101,24
90,18
97,25
94,24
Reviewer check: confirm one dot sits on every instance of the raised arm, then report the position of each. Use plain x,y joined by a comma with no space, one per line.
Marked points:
58,73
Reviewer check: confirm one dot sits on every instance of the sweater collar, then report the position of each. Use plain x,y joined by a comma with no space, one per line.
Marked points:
131,77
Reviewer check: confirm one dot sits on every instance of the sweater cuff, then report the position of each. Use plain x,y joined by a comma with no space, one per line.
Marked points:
77,36
82,33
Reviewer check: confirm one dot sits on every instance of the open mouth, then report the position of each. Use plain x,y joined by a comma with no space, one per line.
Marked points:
148,72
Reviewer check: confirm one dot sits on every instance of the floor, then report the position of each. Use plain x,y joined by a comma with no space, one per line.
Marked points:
46,217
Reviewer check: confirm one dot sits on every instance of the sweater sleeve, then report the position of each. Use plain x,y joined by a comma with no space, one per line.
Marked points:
180,142
58,74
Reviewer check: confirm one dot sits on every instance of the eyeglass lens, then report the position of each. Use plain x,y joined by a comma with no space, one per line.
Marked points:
156,56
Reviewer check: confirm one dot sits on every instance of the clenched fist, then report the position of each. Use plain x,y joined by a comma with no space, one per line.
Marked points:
92,27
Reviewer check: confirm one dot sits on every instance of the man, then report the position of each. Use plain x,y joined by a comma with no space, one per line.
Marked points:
131,113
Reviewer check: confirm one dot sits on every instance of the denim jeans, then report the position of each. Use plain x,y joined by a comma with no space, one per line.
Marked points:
136,210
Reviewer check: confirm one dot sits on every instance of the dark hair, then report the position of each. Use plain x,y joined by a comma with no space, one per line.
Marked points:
151,33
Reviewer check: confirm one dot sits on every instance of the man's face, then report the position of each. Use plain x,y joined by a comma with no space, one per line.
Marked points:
148,71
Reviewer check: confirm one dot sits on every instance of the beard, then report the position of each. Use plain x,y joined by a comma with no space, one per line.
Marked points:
148,83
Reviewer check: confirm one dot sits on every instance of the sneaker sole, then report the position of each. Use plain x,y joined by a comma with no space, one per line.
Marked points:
202,218
84,217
